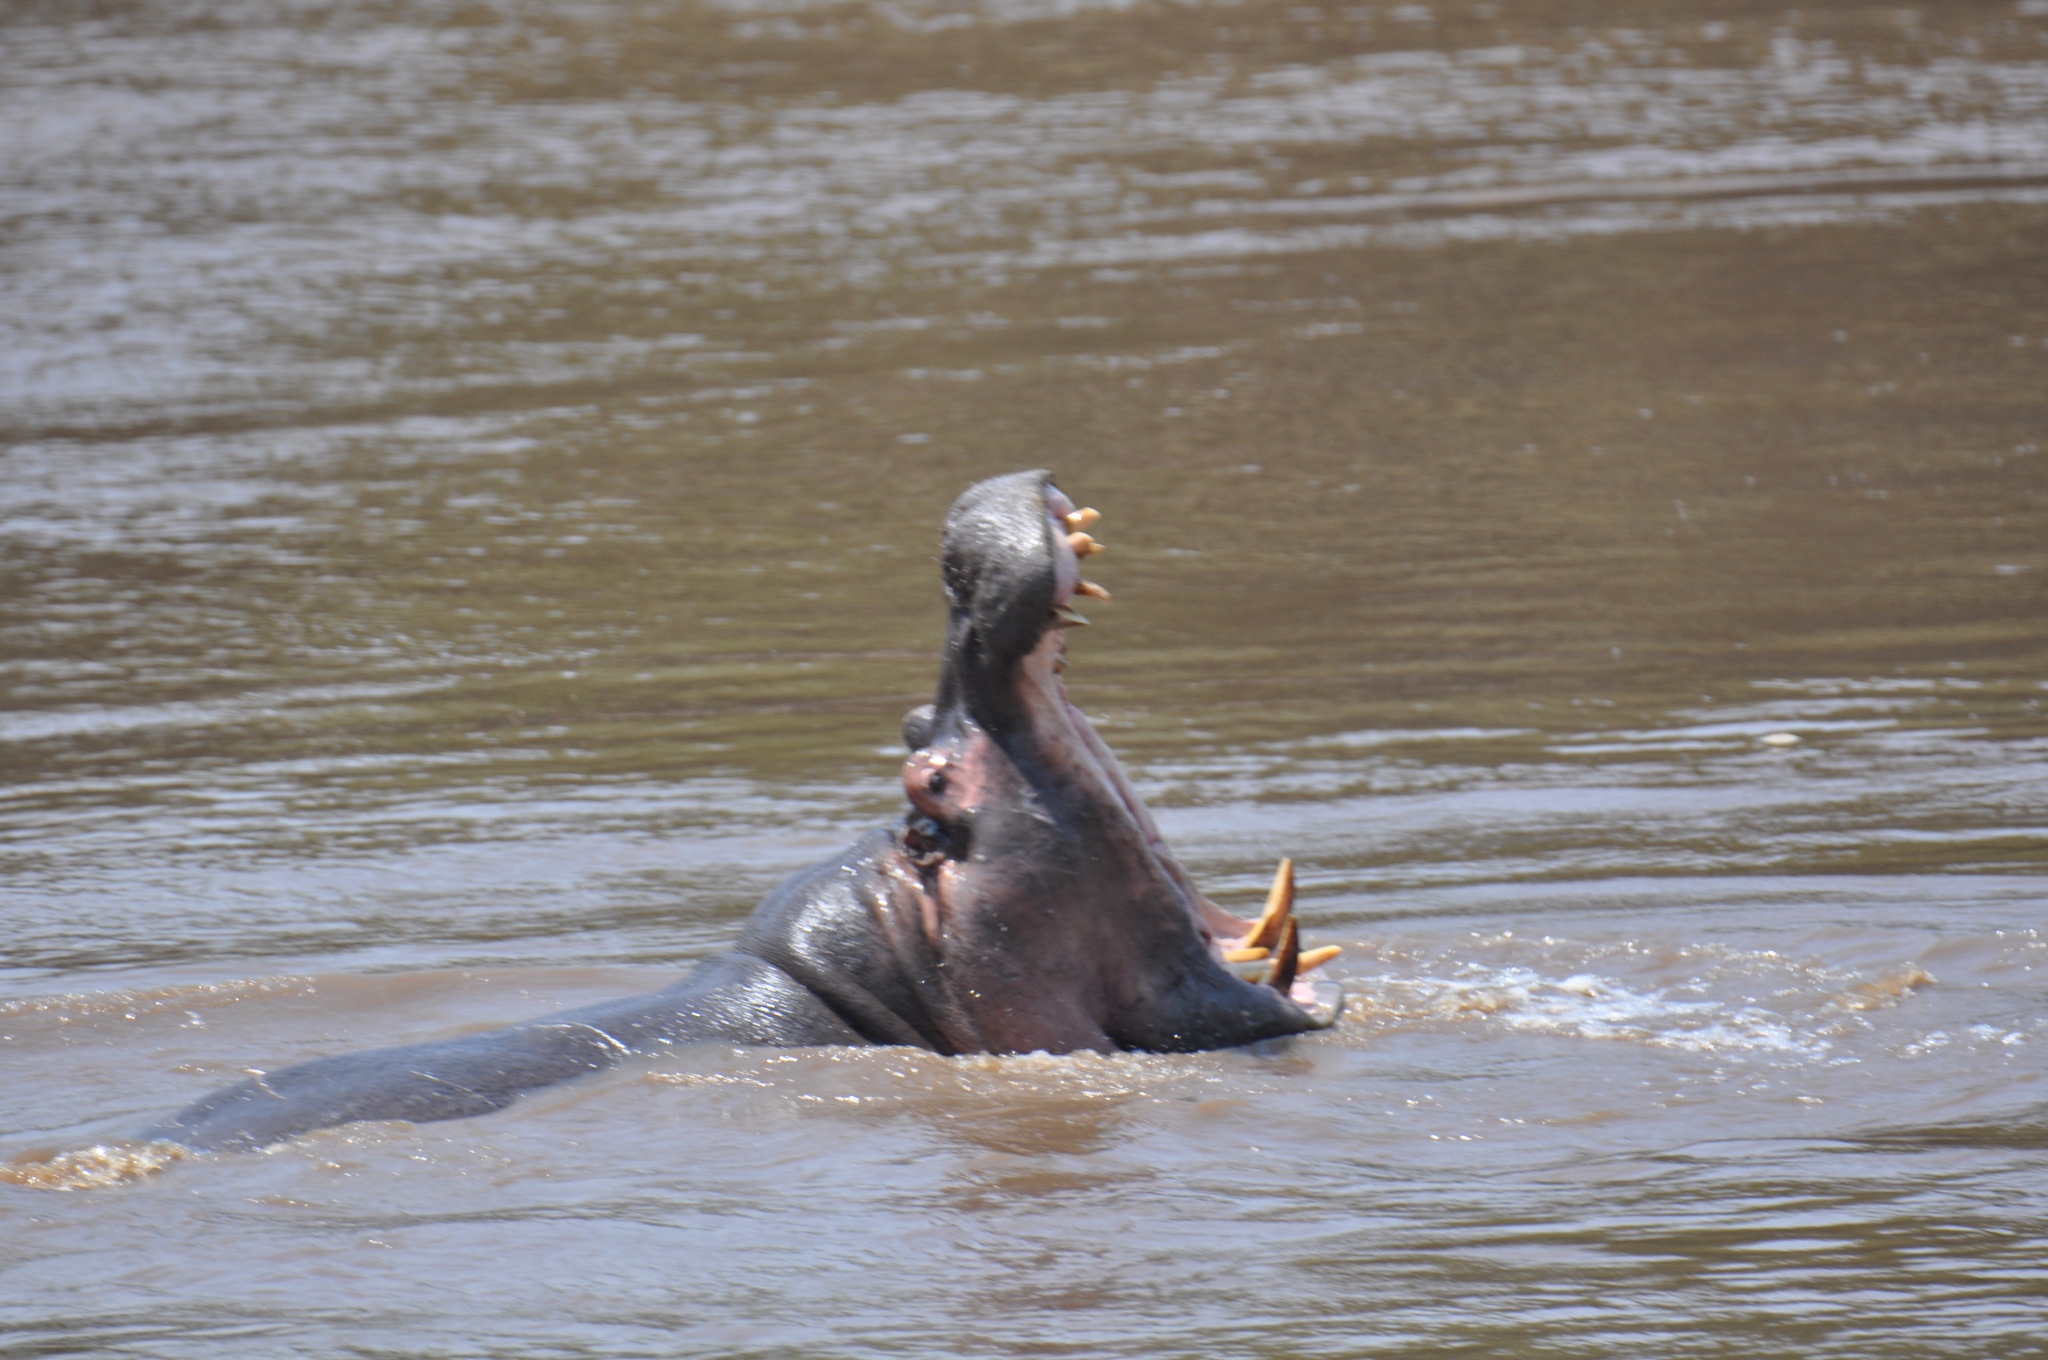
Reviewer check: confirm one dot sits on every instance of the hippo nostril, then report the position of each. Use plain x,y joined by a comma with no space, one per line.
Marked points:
936,782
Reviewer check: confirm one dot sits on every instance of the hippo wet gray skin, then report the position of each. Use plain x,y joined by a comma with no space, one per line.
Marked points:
1025,901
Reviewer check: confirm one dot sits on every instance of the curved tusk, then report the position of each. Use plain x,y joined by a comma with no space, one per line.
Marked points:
1287,960
1279,903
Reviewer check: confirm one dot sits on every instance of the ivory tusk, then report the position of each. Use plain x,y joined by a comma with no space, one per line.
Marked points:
1287,962
1315,958
1279,903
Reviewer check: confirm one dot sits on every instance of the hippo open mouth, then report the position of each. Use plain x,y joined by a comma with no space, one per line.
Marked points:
1025,902
1056,916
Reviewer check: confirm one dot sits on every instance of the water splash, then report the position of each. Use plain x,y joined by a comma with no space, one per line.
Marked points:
1715,1012
91,1168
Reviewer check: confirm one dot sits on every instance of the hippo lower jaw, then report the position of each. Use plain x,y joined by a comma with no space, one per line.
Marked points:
1026,902
1271,940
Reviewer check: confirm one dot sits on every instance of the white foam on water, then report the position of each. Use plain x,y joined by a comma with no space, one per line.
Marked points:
1728,1003
1588,1006
97,1167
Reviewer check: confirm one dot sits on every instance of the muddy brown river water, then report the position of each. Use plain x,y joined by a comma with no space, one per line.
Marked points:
1576,478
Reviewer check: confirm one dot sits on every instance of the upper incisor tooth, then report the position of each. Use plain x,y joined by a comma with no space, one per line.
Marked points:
1083,545
1092,591
1082,518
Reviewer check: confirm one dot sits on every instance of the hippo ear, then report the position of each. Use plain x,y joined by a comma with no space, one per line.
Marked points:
920,725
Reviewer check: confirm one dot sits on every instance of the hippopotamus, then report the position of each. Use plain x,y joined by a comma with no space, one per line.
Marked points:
1024,902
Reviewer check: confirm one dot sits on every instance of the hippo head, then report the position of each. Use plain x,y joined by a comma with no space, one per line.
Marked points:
1051,914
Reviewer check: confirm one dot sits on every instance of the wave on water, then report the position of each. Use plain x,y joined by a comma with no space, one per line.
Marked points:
1733,1003
91,1168
131,1003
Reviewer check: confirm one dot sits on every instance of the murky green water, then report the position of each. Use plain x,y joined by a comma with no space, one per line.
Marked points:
468,507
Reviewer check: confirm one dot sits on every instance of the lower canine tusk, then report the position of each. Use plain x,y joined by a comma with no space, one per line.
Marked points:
1092,591
1287,960
1316,958
1083,545
1279,902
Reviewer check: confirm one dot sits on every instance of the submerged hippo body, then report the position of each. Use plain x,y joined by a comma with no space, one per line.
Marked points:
1025,902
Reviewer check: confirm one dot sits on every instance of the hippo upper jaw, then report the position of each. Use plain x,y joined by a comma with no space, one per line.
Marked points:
1033,873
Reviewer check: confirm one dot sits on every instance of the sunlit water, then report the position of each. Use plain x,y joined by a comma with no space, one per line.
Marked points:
468,505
